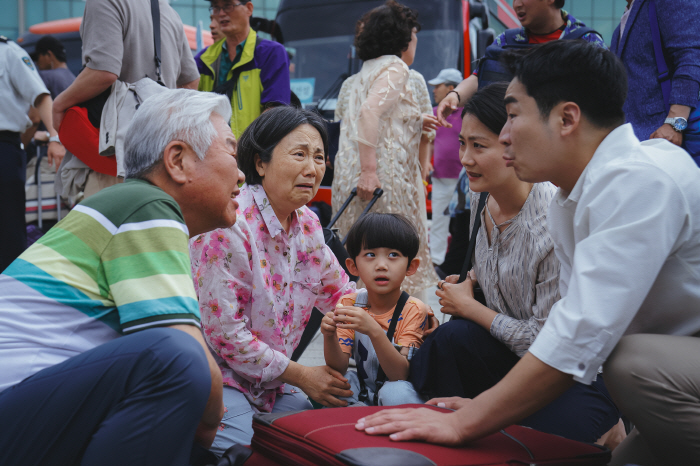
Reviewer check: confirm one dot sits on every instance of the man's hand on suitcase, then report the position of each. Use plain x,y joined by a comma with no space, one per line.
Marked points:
453,402
423,424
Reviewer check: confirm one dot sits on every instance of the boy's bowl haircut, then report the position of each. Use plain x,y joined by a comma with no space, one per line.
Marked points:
375,230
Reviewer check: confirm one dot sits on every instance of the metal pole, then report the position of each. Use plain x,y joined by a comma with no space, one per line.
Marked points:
20,17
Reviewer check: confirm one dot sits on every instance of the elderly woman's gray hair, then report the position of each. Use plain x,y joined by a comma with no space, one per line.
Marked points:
172,115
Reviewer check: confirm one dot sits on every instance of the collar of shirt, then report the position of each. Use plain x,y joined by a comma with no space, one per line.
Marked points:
274,226
239,51
571,24
618,141
226,63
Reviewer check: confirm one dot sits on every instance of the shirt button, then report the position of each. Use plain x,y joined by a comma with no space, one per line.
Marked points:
285,284
284,253
581,366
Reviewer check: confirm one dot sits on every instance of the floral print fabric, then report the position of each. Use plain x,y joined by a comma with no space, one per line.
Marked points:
381,107
257,285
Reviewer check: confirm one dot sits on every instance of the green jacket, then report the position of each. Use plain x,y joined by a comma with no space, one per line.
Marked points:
260,76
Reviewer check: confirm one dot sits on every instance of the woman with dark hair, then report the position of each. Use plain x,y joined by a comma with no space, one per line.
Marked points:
258,281
380,109
515,265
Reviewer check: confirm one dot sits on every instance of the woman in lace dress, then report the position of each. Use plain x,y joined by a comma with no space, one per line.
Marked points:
381,112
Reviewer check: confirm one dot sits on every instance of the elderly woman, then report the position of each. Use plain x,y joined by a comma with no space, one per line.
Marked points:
380,109
258,281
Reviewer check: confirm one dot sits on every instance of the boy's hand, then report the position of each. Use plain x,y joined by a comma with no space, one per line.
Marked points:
357,319
328,327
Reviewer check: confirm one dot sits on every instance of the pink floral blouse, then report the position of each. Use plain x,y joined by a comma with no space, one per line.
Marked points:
257,285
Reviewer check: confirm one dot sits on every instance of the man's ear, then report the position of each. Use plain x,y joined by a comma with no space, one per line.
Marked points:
352,268
412,267
569,114
174,161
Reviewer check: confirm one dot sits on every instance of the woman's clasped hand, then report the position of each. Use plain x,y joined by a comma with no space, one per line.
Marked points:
457,299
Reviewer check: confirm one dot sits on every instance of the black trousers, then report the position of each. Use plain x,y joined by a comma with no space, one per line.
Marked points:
13,232
461,358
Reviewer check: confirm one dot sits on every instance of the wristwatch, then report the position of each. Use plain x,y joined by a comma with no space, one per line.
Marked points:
54,139
678,123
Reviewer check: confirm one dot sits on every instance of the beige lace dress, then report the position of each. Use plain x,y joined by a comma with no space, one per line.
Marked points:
381,106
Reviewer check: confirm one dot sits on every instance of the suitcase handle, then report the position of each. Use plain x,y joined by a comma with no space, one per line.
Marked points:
335,218
377,194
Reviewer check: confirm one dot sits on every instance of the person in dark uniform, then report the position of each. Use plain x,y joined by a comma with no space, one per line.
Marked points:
20,88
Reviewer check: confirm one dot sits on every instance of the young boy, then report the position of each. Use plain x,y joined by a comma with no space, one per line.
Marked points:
382,249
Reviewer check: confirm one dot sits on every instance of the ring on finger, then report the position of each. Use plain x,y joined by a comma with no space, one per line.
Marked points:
440,283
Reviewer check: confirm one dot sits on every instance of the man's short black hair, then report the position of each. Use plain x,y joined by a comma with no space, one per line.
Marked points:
266,131
393,231
574,71
47,43
559,3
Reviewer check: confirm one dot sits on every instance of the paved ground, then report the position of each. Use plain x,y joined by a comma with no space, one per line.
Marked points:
313,356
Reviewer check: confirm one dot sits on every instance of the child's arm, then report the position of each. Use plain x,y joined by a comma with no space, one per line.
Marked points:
335,357
394,364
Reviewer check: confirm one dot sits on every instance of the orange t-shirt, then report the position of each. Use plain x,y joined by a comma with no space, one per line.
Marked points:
409,328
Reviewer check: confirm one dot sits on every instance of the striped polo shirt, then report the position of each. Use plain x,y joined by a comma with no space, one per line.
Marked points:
117,263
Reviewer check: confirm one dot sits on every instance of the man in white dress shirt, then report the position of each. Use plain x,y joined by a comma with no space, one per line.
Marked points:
626,228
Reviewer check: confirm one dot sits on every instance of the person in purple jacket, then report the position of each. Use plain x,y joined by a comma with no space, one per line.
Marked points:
632,41
249,70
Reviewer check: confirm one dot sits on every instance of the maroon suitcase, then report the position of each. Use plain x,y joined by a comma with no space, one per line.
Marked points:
329,437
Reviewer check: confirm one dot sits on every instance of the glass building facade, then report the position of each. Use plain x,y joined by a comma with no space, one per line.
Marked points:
603,15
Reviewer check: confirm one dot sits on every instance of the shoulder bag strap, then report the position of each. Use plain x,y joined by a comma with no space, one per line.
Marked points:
579,33
472,241
510,35
155,17
231,85
381,376
664,77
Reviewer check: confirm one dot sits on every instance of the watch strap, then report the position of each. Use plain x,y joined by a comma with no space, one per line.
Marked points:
54,139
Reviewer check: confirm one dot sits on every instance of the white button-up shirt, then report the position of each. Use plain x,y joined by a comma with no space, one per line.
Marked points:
628,239
20,85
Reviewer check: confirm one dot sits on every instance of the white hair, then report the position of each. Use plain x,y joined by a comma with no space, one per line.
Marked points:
172,115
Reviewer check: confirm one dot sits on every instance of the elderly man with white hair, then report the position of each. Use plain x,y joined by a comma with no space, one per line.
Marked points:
102,359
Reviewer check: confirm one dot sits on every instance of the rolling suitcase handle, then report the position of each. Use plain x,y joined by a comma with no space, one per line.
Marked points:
377,194
39,186
345,205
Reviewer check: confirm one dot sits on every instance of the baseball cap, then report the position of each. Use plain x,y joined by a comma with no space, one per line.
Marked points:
448,75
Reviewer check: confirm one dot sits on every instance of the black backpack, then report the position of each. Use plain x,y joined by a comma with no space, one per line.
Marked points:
491,70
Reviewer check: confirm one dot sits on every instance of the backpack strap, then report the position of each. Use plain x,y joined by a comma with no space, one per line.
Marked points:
472,241
155,17
231,85
579,33
511,34
381,376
